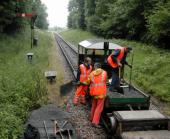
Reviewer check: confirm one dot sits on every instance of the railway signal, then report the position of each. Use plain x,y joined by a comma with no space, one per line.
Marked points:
25,15
33,19
32,16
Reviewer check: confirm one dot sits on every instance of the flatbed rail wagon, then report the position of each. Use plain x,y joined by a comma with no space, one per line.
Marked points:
126,115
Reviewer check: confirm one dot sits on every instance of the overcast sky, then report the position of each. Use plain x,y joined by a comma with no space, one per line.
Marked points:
57,12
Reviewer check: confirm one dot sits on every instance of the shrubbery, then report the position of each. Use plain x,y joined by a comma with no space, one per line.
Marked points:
9,22
159,24
145,20
22,84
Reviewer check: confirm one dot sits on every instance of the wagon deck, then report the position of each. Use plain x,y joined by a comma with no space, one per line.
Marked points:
133,98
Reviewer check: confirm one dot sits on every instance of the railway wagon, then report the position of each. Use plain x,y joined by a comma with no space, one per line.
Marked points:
126,115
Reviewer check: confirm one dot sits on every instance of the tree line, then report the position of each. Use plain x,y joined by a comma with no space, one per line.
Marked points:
142,20
9,21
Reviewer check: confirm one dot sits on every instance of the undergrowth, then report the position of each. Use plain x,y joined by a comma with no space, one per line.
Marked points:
22,83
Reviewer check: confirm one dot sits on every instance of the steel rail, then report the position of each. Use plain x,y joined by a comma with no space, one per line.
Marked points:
60,40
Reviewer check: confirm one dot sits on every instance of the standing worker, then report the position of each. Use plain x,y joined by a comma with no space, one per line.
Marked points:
117,60
82,75
98,89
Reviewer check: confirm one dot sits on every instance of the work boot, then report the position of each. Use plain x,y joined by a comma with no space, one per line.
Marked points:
96,126
122,82
83,99
112,90
75,100
120,90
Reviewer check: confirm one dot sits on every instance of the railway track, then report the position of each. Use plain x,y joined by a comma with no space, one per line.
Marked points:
69,53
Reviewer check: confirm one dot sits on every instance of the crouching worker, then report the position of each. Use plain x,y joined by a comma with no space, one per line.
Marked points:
117,60
82,75
98,89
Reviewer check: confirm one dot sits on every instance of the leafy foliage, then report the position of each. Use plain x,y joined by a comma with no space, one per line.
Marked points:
159,24
7,13
41,21
131,19
76,19
73,16
9,22
22,84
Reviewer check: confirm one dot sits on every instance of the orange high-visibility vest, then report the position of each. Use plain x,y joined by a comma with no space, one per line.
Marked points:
84,72
119,58
98,84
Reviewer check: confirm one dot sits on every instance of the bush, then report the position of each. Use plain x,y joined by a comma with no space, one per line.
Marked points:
159,25
144,20
22,84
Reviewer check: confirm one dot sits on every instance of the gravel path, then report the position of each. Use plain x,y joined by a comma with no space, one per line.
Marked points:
70,53
80,119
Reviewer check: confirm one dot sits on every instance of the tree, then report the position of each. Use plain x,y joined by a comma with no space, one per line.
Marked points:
144,20
159,24
100,15
81,14
7,13
9,22
41,21
89,7
73,14
76,18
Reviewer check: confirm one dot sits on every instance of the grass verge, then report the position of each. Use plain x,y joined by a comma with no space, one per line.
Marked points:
55,64
22,84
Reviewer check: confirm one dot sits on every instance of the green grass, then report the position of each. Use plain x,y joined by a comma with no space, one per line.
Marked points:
22,84
151,65
75,36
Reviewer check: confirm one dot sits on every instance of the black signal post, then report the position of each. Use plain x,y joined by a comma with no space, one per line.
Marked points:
33,18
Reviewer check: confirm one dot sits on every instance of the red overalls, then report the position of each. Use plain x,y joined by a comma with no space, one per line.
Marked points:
98,90
81,90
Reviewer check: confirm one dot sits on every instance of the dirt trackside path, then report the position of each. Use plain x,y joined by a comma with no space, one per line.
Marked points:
55,64
58,91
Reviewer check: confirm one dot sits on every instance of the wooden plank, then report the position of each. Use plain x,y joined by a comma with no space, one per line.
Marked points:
157,134
139,115
50,74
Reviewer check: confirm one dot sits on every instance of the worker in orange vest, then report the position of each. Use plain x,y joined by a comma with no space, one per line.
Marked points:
82,75
98,89
117,60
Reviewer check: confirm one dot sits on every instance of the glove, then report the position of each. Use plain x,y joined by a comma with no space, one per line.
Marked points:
120,65
78,83
81,83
